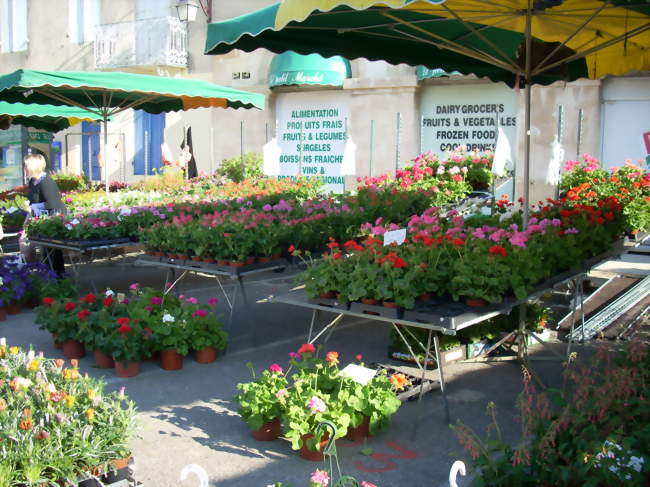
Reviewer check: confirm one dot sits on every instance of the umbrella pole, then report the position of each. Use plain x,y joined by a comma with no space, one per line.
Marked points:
104,148
528,86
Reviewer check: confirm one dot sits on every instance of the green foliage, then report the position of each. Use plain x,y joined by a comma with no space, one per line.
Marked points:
234,170
70,182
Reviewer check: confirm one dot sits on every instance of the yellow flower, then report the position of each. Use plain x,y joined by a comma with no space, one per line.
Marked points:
69,400
91,394
14,350
90,414
71,374
3,351
33,365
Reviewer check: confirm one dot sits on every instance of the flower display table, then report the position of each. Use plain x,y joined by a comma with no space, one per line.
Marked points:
215,271
446,318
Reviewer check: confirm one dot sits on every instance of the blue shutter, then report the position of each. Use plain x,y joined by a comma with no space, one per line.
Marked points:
154,125
56,156
90,147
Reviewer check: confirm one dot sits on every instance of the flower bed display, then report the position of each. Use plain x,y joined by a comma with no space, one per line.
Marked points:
56,425
129,328
479,257
317,392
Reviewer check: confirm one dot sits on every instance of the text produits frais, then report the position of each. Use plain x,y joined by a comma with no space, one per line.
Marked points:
315,124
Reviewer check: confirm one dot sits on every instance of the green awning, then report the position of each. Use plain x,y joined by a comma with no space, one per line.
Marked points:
290,68
44,117
422,72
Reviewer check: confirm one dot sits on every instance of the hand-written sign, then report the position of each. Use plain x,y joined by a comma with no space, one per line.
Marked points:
468,115
395,236
312,136
359,374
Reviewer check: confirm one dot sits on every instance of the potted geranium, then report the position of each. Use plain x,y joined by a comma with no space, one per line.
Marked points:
206,334
171,337
262,402
125,346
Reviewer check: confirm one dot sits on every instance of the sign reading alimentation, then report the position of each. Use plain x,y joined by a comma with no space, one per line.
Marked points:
453,115
312,135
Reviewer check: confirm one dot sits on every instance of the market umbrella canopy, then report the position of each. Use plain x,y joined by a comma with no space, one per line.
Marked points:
570,39
112,92
45,117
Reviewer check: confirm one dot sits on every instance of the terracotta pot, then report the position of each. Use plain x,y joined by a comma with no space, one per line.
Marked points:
13,308
118,471
233,263
103,361
171,360
121,463
3,313
183,257
73,349
311,455
475,302
369,301
425,297
390,304
276,257
208,260
158,254
57,344
268,431
264,260
32,304
196,258
129,369
249,261
361,432
206,356
223,262
327,295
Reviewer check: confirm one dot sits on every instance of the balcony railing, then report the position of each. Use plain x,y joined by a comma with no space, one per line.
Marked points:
150,42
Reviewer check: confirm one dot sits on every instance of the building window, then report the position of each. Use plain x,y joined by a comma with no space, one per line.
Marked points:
149,137
83,17
14,26
90,149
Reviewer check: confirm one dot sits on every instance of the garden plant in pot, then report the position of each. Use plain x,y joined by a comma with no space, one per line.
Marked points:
206,334
261,402
125,342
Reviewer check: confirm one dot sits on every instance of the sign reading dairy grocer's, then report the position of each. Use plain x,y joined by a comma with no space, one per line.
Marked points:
454,115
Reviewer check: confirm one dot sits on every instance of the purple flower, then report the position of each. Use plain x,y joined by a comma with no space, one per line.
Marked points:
571,230
267,207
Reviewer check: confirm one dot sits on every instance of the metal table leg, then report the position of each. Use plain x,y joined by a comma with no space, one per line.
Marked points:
441,376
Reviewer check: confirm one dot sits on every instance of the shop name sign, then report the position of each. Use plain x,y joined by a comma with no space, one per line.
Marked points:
299,77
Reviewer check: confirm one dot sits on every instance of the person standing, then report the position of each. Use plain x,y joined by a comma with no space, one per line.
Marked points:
44,198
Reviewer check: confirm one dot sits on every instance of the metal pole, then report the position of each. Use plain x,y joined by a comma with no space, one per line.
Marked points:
579,142
211,150
90,159
146,154
560,133
241,149
104,152
67,163
496,141
441,376
300,158
528,86
397,140
372,143
346,141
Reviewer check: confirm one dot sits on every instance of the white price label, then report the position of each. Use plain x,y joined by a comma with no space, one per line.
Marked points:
359,374
396,236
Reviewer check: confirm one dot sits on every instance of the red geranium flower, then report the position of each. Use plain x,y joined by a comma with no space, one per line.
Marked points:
307,348
291,248
124,329
498,250
108,302
83,314
48,301
90,298
69,306
123,321
399,263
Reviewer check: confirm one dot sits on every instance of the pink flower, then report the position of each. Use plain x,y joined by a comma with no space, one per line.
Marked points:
134,287
319,478
519,239
192,300
316,404
294,355
275,368
281,393
200,313
156,300
367,484
212,301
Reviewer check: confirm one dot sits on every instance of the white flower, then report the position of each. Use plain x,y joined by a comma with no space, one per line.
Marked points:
68,226
3,342
167,318
75,222
109,292
125,211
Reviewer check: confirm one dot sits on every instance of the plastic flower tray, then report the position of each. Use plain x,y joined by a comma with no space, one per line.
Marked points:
414,376
377,310
330,303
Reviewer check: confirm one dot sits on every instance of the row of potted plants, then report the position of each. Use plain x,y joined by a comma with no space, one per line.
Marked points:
479,257
123,329
57,426
294,404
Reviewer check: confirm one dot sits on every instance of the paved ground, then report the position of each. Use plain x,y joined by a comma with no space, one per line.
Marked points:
188,416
